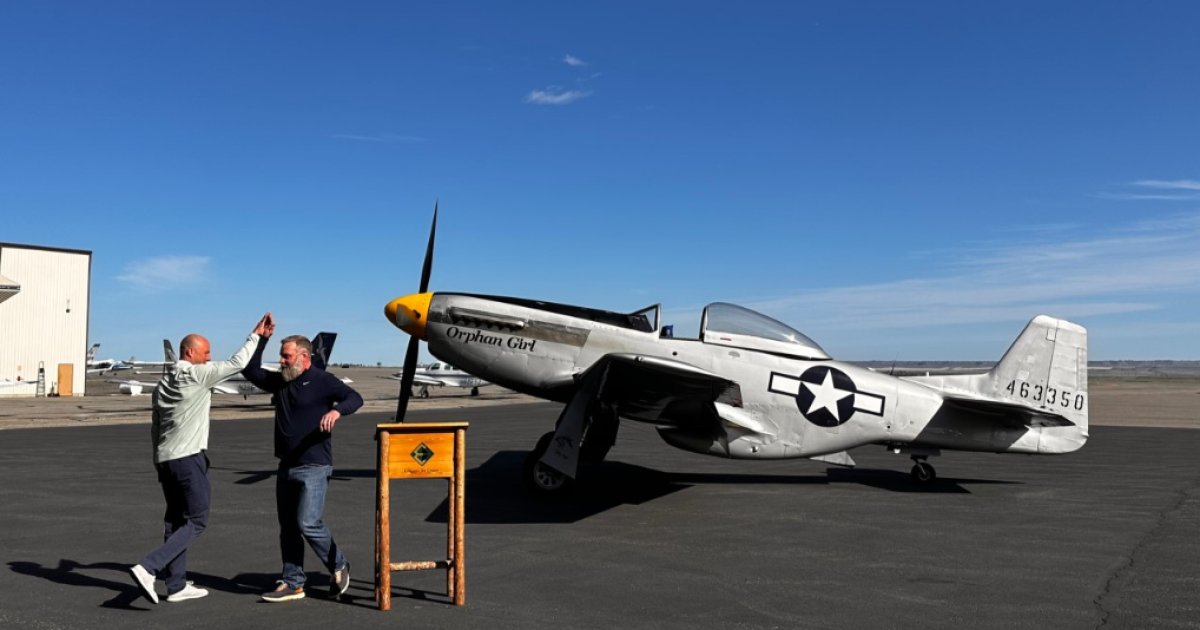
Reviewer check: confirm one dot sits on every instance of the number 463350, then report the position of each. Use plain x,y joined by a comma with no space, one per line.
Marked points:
1051,396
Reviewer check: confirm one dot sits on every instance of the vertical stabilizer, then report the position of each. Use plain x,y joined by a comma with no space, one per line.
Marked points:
1046,368
323,349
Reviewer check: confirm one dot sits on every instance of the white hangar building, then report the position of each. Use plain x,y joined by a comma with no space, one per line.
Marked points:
44,307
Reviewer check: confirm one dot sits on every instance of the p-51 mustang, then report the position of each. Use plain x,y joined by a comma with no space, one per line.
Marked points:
441,374
749,387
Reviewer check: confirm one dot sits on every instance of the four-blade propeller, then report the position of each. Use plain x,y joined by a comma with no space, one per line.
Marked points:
410,357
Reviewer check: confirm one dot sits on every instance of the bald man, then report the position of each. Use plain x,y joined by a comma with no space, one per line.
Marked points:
180,434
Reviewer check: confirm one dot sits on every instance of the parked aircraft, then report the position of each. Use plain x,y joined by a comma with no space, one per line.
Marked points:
140,367
749,387
99,366
442,374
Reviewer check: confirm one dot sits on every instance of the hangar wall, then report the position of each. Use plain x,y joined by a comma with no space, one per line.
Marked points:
46,319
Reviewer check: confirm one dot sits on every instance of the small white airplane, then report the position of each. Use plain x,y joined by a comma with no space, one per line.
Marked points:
441,374
99,366
749,387
140,367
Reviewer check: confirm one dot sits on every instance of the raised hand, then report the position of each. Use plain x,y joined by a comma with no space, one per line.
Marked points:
266,326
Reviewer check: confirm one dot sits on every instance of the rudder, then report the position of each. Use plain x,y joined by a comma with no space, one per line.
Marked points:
323,349
1046,367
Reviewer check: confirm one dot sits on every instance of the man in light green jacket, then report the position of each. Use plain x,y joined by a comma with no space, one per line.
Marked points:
180,434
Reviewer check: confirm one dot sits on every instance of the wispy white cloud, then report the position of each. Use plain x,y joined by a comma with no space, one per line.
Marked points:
574,61
1039,227
1157,184
387,137
1133,270
1145,197
1176,184
555,96
166,272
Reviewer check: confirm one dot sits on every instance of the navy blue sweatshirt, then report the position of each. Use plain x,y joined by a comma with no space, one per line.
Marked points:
299,406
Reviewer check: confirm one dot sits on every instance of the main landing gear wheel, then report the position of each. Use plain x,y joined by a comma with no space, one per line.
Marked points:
474,391
543,480
424,393
923,474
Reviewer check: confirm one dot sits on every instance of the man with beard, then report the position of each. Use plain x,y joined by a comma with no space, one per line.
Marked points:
179,430
308,402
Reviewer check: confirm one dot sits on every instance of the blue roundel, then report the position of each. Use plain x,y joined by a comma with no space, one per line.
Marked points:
826,396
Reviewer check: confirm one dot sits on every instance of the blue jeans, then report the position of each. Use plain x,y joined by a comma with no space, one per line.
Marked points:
188,493
299,502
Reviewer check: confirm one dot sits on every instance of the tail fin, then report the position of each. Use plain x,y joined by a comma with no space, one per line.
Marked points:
91,354
1046,367
322,349
169,352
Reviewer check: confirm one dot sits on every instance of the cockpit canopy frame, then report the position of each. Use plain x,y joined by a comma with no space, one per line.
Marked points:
725,324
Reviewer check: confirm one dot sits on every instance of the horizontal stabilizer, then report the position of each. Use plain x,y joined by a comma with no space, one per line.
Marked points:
1028,415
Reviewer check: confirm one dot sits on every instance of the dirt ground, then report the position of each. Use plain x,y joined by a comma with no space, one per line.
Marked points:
1145,402
1120,401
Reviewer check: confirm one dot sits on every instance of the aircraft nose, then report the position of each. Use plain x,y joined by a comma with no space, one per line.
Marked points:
409,313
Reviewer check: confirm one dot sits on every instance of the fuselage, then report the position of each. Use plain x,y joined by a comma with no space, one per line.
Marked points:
785,405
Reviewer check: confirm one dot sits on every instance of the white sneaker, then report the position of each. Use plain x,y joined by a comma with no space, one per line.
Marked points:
188,592
144,581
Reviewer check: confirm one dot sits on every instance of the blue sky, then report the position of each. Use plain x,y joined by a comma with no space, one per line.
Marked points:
897,180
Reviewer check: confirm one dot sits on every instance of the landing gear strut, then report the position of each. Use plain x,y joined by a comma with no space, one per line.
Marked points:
923,473
543,480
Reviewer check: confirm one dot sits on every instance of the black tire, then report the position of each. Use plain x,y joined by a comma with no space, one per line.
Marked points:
474,391
424,393
923,474
541,479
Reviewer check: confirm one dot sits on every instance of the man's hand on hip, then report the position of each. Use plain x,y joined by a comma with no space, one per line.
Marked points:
328,420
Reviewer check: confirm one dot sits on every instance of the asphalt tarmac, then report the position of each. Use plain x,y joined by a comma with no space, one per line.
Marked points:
654,538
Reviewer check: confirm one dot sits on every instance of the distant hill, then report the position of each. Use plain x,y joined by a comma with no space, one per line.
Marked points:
1098,369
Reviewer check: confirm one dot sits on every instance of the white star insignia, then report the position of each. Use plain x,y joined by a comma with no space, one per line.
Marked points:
826,396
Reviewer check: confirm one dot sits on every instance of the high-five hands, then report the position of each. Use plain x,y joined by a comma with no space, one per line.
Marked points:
266,326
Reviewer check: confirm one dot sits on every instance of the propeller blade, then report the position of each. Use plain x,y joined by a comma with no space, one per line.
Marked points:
410,357
428,268
406,379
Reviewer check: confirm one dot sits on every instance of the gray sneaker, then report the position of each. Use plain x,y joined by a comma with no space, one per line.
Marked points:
188,592
144,581
283,593
340,582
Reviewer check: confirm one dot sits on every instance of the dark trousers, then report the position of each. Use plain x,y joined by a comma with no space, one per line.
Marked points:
188,493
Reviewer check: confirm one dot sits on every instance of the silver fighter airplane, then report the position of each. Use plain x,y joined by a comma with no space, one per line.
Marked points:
749,387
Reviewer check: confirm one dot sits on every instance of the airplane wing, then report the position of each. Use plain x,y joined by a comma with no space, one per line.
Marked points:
133,387
419,380
644,388
427,380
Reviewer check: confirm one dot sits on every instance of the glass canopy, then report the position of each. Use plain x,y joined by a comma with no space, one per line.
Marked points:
727,324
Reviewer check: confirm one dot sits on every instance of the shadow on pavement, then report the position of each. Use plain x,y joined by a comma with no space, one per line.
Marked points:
496,493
